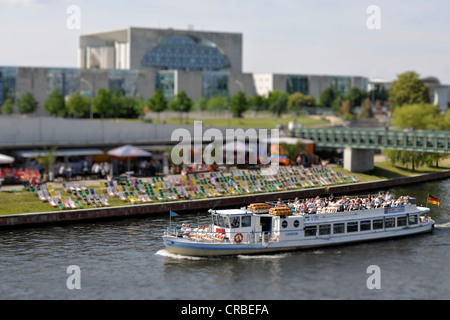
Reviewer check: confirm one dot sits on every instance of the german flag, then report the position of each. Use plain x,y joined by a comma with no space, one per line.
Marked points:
433,200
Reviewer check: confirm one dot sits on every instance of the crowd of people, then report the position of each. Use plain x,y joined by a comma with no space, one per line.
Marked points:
331,204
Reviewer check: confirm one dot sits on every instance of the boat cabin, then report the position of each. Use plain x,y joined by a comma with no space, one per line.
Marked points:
250,224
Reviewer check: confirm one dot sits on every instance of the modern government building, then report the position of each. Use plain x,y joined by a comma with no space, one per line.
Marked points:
138,61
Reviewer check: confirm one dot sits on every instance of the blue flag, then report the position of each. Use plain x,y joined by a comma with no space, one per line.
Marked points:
173,214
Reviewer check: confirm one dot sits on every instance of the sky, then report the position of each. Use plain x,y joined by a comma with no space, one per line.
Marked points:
283,36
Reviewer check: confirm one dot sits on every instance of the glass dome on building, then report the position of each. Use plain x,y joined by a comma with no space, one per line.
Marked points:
186,53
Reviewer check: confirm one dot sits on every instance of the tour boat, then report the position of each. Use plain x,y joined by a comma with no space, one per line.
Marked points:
264,228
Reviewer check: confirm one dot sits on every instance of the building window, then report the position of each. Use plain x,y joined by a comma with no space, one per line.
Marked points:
186,53
297,84
215,84
66,80
341,84
124,82
7,84
166,82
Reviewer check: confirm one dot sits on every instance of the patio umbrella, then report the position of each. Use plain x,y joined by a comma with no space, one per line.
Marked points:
6,159
129,151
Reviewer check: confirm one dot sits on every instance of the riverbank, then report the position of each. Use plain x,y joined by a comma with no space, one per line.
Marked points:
180,206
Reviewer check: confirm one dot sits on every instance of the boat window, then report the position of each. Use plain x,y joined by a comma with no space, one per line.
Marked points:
246,221
401,221
377,224
296,223
412,219
215,220
389,222
338,228
310,231
324,229
226,221
352,226
364,225
236,222
223,221
284,224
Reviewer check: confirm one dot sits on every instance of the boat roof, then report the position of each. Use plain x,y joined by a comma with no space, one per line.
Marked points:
233,211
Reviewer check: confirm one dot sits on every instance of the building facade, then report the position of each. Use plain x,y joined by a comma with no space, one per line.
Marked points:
138,61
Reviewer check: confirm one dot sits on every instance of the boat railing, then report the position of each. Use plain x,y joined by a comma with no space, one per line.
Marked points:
204,233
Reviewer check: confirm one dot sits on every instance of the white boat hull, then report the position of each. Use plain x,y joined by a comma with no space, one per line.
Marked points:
189,247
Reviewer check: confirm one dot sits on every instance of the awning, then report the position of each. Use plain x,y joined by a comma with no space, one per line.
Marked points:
59,153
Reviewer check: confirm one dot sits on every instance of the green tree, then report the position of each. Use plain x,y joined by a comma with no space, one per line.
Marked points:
55,104
309,101
78,106
278,102
8,107
356,97
181,103
366,109
327,97
408,89
419,116
257,102
27,103
292,151
102,103
218,103
201,104
157,103
239,104
295,102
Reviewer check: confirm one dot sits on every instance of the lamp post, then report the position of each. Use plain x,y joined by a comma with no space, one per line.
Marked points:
91,96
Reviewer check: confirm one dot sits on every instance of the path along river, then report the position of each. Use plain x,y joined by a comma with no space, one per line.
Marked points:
125,259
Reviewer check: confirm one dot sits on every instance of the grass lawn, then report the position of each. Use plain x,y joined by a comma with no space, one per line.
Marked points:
384,170
253,122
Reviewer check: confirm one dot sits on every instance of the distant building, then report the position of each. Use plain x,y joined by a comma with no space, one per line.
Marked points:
138,61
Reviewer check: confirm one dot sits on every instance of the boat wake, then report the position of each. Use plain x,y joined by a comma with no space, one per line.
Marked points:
164,253
263,256
445,225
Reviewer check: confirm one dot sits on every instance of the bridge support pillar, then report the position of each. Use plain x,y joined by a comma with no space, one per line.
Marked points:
358,160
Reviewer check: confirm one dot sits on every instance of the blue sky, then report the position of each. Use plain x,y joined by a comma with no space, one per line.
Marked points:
283,36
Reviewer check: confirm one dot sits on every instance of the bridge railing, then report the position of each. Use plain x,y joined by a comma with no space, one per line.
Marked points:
420,141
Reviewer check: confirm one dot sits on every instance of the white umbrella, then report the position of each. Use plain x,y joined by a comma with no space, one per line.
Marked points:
6,159
129,151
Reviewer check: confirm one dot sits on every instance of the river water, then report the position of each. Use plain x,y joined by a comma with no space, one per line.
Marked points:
125,259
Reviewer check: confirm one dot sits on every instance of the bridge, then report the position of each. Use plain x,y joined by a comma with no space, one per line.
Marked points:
360,144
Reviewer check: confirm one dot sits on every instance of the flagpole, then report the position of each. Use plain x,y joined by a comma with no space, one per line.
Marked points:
427,199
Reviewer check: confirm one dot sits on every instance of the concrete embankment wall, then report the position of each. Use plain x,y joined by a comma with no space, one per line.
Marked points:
162,208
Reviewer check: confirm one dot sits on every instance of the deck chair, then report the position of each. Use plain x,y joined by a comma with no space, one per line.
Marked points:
104,200
41,195
147,198
71,203
122,196
110,192
52,202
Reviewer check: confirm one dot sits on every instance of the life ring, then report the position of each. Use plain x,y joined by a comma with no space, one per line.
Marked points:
238,237
201,227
